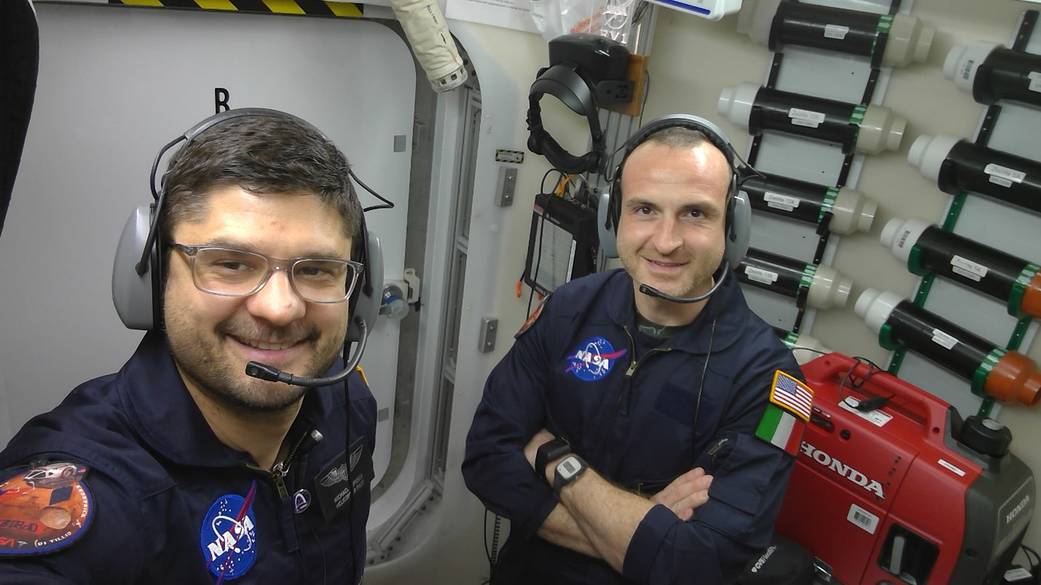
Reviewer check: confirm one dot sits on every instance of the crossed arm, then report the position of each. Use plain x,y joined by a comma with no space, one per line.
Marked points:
598,519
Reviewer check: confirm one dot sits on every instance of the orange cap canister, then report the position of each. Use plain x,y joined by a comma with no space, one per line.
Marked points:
1031,302
1014,378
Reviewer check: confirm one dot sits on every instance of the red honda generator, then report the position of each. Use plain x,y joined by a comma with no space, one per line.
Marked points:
892,486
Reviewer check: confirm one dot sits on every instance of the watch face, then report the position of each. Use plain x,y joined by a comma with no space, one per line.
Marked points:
568,468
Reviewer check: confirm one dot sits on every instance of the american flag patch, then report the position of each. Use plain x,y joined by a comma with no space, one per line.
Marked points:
791,395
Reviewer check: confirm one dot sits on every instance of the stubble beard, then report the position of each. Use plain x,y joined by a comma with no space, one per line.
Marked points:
212,370
699,282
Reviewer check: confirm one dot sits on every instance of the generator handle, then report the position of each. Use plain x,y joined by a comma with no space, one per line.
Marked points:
929,409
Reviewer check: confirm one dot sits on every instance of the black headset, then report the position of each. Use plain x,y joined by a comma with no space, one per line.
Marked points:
137,270
586,71
738,217
563,82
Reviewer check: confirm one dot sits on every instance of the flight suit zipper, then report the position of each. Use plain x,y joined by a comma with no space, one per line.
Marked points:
281,469
625,396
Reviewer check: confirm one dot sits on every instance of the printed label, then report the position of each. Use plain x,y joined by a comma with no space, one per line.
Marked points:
1035,81
760,275
968,67
944,340
1003,176
862,518
875,417
778,201
835,31
948,465
964,267
805,118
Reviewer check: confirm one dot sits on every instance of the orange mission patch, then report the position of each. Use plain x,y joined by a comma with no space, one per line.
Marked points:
44,509
532,318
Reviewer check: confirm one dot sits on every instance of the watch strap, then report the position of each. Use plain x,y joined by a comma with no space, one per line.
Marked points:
548,452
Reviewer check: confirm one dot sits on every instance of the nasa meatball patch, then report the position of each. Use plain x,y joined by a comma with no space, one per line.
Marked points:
44,509
593,359
228,536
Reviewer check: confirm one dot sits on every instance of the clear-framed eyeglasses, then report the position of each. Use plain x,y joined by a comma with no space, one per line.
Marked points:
228,272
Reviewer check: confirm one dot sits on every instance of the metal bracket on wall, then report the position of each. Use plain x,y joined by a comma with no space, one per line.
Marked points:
486,336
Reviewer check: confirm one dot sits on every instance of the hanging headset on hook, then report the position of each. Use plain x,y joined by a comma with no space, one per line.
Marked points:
738,218
137,269
586,72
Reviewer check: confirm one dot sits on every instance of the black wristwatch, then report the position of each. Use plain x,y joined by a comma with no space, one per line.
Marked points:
568,471
548,452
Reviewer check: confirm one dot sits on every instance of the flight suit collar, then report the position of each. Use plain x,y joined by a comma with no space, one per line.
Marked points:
724,307
168,420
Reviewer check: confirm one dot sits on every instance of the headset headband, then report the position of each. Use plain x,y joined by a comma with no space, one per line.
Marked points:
737,220
189,136
709,130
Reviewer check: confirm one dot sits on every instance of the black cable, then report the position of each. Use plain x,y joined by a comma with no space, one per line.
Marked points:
817,351
704,370
1032,557
388,204
538,261
871,403
542,184
855,383
1034,560
646,92
350,476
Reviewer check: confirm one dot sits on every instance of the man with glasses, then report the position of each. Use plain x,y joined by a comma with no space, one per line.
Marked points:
181,468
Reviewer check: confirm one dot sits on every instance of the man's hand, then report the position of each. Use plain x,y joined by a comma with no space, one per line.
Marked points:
536,441
685,493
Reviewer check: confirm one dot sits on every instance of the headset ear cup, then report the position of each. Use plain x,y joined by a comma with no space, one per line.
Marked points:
132,294
367,306
605,224
739,230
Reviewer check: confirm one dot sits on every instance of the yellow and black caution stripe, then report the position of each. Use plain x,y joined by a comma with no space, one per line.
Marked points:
299,7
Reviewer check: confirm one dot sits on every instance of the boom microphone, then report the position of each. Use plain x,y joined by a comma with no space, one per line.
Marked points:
273,374
653,292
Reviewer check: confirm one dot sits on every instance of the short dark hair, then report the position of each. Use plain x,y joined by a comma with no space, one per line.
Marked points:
679,137
260,154
684,137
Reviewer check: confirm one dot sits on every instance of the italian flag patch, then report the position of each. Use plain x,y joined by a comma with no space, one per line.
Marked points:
787,413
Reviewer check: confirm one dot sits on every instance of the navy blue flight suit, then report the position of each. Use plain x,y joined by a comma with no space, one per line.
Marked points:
640,416
166,493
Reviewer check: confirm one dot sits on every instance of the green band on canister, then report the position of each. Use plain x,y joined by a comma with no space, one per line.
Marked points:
806,281
882,28
1019,288
979,377
885,337
914,261
829,202
857,117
